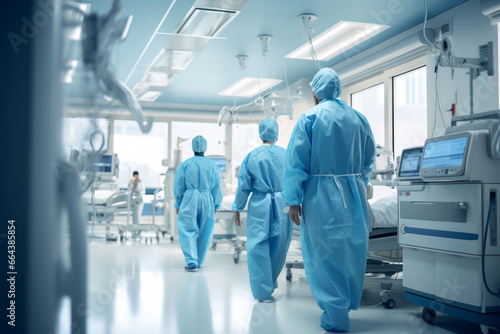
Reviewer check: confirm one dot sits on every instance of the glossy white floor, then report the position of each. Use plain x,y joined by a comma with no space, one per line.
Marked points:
143,288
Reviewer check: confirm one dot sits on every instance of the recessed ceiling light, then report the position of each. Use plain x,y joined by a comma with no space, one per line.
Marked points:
152,85
173,59
150,96
248,87
338,39
206,22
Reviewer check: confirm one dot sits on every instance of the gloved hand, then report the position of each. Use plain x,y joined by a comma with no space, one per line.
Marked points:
295,212
237,218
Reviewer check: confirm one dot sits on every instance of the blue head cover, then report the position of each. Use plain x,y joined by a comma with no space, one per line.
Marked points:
326,84
268,130
199,144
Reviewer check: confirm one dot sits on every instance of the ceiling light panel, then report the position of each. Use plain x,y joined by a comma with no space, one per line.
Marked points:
152,85
249,87
206,22
173,59
338,39
150,96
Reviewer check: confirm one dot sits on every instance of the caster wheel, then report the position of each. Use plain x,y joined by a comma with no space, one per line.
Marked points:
428,315
289,278
158,239
488,330
390,303
236,258
214,246
172,238
163,234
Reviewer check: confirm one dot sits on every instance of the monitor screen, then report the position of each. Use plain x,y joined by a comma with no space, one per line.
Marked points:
221,163
102,163
446,153
410,162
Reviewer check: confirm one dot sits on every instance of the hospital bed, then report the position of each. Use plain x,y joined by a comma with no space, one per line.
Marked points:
104,205
383,238
384,258
226,232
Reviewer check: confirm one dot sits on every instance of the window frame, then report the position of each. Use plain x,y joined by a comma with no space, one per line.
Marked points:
387,78
376,81
393,107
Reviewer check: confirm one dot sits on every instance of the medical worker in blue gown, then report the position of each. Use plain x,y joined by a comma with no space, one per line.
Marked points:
198,195
269,228
330,157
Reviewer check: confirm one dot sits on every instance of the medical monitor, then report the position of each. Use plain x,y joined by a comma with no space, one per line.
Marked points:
220,161
445,156
104,165
409,167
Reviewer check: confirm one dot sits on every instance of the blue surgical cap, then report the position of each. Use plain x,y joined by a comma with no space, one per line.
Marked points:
326,84
268,130
199,144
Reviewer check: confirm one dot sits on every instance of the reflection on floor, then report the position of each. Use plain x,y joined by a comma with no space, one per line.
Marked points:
143,288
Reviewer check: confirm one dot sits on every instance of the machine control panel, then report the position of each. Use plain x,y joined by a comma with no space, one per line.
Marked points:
445,156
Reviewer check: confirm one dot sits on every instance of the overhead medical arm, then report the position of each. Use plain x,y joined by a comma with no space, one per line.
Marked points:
102,33
446,58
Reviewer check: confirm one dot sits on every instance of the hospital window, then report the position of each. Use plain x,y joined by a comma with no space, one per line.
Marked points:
212,132
77,131
410,109
370,102
139,151
245,138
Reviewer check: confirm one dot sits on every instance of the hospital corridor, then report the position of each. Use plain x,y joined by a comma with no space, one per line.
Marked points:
250,166
141,289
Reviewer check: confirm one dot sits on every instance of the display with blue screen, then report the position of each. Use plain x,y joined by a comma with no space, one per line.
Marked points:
446,153
410,162
101,163
221,163
104,164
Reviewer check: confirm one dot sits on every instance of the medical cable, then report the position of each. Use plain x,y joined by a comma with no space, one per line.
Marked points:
437,100
313,52
425,24
392,285
286,79
437,105
496,294
306,24
93,134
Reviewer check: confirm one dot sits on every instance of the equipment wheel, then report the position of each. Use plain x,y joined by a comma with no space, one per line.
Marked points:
428,315
389,303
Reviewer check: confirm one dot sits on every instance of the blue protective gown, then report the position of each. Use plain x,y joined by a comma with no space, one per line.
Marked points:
330,157
198,193
269,229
